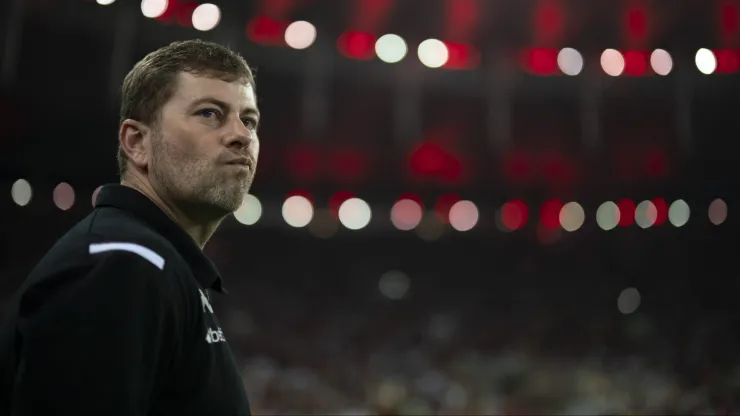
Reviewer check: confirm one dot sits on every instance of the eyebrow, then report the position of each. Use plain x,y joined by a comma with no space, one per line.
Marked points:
224,105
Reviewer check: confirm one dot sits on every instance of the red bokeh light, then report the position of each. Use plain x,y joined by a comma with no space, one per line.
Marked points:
635,63
514,214
461,56
266,31
728,61
550,213
540,61
661,208
185,14
431,160
627,209
357,45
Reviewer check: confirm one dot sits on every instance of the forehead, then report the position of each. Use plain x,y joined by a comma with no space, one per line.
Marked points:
191,88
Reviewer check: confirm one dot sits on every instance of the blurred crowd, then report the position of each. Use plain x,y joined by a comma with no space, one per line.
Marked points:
396,326
358,344
363,363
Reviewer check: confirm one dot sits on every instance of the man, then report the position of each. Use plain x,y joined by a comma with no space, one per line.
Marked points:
116,318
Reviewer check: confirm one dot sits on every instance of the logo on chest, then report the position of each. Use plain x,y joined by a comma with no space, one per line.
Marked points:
213,335
204,301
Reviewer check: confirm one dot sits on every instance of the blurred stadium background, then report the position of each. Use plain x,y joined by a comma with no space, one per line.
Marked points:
462,206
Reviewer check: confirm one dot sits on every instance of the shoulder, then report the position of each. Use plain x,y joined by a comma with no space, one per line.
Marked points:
112,230
106,244
108,258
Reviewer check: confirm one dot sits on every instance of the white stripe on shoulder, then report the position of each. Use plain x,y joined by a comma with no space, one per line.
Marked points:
142,251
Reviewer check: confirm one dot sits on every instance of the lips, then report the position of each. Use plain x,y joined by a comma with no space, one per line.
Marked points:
241,161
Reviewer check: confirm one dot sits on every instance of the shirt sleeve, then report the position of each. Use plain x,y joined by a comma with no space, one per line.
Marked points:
95,341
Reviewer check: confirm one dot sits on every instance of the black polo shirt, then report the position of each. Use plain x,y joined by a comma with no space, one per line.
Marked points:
116,320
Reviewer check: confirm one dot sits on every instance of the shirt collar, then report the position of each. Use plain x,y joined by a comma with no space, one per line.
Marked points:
135,202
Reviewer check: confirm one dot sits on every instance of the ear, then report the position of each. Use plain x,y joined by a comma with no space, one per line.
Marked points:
134,137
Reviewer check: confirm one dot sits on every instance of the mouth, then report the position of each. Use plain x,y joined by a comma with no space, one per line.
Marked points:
240,166
241,162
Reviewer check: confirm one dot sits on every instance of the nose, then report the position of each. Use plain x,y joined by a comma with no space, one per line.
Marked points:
239,136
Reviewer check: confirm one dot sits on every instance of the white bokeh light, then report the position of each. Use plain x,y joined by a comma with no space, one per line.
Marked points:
297,211
21,192
706,62
105,2
153,8
463,215
572,216
433,53
661,62
646,214
570,61
607,216
206,17
678,213
355,214
391,48
300,34
250,211
612,62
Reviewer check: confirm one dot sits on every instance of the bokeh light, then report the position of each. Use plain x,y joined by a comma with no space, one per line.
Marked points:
206,17
612,62
572,216
355,214
250,211
717,212
406,214
433,53
570,61
297,211
706,61
21,192
391,48
678,213
153,8
64,196
607,216
300,34
463,216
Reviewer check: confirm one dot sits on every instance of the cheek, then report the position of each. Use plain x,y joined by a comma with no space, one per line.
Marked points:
183,145
256,147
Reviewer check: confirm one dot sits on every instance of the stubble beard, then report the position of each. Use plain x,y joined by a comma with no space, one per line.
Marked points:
197,184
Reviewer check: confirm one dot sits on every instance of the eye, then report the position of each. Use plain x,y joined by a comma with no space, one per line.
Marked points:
208,112
250,123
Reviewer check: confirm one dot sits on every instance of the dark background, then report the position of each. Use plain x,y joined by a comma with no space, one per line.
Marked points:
527,321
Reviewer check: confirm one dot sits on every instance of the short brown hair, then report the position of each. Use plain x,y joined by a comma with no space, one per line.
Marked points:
151,82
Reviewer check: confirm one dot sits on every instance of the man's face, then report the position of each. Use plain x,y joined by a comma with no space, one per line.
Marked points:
205,148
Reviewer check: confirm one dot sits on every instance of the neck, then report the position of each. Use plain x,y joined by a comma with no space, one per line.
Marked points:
200,230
